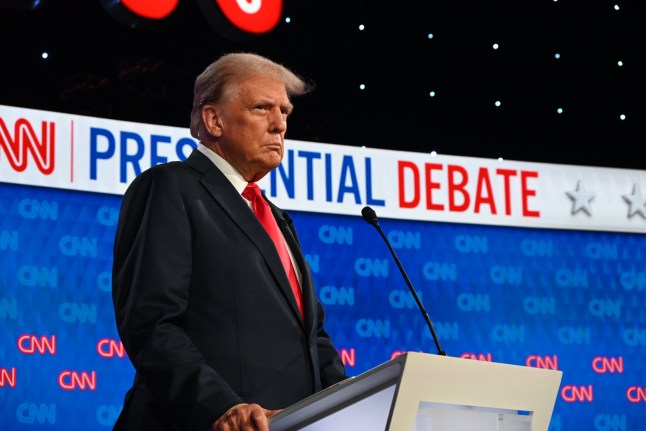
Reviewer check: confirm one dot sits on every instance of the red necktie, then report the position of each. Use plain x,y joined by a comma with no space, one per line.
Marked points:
266,218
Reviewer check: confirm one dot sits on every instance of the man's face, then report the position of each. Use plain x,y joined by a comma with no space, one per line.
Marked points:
253,122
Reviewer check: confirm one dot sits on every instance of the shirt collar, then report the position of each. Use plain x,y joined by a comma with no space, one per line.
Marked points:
235,177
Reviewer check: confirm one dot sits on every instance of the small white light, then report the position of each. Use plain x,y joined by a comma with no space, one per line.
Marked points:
433,153
432,94
620,63
559,110
500,159
362,86
557,55
497,103
496,46
616,7
430,35
288,20
44,55
622,117
361,27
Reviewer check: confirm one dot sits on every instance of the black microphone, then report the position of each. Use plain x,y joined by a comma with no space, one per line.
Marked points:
287,220
370,216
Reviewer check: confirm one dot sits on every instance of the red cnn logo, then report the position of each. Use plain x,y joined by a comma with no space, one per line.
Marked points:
571,393
7,377
603,365
547,362
25,141
484,357
109,348
30,344
72,380
636,394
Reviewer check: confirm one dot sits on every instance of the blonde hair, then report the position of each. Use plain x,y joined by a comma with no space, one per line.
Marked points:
219,77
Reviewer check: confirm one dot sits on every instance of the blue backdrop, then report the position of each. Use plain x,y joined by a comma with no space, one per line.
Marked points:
561,299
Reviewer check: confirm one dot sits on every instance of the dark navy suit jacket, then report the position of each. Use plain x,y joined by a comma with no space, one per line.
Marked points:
203,305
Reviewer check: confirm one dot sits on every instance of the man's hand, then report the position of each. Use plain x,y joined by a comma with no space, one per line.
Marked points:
244,417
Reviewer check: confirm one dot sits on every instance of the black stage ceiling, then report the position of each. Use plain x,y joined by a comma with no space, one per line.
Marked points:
568,76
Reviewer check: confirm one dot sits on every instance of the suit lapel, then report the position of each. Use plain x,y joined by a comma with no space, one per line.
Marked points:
287,228
237,209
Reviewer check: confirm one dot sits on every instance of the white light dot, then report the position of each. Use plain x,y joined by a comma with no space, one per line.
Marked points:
361,27
433,153
288,20
44,55
559,110
622,117
362,86
500,159
497,103
620,63
557,55
616,7
432,94
496,46
430,36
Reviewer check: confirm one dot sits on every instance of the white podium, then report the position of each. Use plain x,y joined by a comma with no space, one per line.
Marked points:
423,392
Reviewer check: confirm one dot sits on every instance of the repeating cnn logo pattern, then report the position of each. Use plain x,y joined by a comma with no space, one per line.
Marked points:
543,298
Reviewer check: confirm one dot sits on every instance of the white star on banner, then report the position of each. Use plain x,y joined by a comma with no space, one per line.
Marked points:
637,202
580,199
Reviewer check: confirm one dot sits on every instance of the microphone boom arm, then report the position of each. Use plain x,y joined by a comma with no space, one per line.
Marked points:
371,217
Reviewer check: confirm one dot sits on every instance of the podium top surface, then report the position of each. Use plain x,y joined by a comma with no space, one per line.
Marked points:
417,378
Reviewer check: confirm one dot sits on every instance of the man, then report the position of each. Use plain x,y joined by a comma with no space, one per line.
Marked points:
203,301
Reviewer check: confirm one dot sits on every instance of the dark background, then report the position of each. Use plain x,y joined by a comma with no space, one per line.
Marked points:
99,66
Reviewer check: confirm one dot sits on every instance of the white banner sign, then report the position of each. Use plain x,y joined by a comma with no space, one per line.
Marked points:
48,149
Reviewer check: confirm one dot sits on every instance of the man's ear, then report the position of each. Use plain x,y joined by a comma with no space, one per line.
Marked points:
212,120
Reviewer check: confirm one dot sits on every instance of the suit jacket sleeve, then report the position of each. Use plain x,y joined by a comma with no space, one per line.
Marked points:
331,367
151,279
